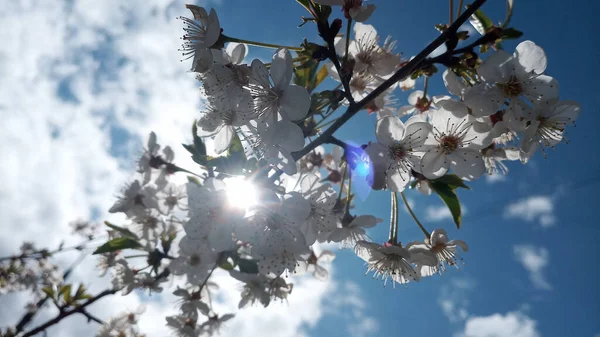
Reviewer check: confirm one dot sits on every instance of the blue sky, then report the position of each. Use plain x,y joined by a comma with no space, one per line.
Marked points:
101,78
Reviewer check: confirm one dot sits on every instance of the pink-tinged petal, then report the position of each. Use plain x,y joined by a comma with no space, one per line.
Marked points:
294,103
531,57
237,52
362,13
281,69
459,243
483,100
223,139
260,74
203,60
467,164
453,83
541,88
434,163
389,130
496,67
213,29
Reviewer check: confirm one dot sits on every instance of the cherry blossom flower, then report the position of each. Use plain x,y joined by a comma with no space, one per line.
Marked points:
272,230
397,149
493,158
254,289
135,199
379,61
190,303
353,230
183,326
387,261
444,251
457,140
352,8
547,126
195,260
322,198
221,118
511,77
290,101
200,35
313,264
234,53
276,142
214,323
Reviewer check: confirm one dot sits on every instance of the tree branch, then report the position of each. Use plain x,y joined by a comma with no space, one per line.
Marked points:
417,62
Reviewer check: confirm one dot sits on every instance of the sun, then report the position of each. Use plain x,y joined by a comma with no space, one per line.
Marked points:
240,192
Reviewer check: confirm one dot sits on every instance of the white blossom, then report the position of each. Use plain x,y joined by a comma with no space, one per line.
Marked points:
201,34
444,251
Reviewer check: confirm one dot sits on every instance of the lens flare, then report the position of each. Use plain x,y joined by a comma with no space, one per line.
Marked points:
240,192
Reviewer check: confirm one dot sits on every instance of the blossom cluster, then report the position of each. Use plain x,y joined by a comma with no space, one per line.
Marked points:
261,206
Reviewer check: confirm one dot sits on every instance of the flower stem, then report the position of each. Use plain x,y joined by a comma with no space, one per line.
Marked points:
427,235
425,87
349,192
394,219
258,44
460,6
347,38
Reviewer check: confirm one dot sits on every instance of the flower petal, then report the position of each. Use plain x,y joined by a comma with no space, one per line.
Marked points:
467,164
531,57
223,139
281,69
237,52
389,130
362,13
294,103
434,163
203,60
260,74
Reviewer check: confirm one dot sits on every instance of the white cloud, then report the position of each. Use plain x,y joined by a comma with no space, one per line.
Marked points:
348,303
81,88
453,299
441,213
534,260
539,207
511,324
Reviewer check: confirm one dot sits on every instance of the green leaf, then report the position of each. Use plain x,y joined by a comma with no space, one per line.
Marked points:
118,244
194,180
124,231
248,266
48,291
452,180
321,76
80,292
233,162
198,148
450,198
511,33
66,292
480,22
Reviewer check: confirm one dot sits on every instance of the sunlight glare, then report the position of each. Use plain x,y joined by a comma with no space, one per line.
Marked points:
241,193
